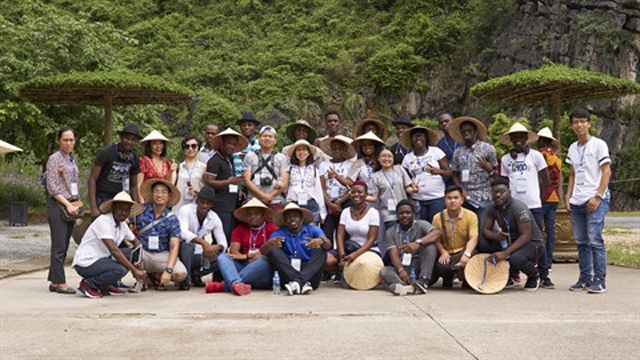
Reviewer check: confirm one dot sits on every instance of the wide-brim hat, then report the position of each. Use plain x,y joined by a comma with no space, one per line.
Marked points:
357,143
363,273
515,129
155,135
247,116
291,150
480,267
146,190
405,140
403,120
216,142
379,123
132,129
278,218
454,128
122,197
546,133
207,193
325,145
241,213
311,137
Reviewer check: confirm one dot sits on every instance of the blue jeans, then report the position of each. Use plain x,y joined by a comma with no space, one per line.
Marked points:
429,208
312,205
587,230
256,273
101,273
549,216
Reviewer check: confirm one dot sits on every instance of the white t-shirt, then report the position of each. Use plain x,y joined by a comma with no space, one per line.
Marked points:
190,227
523,176
92,248
333,186
431,186
359,230
586,162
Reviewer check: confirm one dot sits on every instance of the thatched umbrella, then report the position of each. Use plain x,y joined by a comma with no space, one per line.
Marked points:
104,89
554,84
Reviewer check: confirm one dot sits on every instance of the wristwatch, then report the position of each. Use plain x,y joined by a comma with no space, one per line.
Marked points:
169,270
598,197
419,241
467,254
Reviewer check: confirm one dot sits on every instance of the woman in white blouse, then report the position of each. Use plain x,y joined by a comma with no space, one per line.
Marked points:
191,171
304,180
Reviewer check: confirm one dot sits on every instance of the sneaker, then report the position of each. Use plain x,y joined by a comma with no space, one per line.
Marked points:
533,282
399,289
196,281
447,281
325,277
185,285
517,281
337,278
306,288
122,286
597,287
578,286
510,284
241,289
547,284
293,288
422,284
113,291
88,291
213,287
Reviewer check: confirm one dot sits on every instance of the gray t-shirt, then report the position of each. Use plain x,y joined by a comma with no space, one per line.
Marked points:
395,237
389,186
516,212
278,162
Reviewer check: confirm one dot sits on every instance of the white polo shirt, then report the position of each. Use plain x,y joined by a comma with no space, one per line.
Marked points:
92,248
431,186
586,162
523,176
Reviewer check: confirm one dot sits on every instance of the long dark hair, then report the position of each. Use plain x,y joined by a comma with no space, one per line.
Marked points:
294,160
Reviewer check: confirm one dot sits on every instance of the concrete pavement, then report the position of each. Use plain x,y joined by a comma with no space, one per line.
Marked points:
331,322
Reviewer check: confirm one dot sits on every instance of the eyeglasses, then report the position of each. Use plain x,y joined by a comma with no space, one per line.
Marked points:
160,191
190,146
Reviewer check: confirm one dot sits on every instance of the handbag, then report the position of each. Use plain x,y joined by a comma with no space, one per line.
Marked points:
64,214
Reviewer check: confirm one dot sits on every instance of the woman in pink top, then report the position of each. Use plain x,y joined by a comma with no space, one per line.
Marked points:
154,165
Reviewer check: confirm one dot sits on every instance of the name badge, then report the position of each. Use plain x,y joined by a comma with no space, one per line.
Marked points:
154,242
406,259
74,189
197,249
296,263
334,192
302,198
521,186
126,183
391,205
233,188
253,251
187,194
581,177
465,175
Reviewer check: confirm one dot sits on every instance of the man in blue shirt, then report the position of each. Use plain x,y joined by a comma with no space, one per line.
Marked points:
159,233
297,250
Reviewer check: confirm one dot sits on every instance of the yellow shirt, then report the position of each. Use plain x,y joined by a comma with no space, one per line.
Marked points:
459,230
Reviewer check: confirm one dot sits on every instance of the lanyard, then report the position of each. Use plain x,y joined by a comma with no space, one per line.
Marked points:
73,169
254,238
584,150
302,171
405,236
334,181
391,181
232,169
453,225
446,143
189,169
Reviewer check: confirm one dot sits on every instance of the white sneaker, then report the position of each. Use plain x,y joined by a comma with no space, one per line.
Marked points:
306,288
401,290
293,288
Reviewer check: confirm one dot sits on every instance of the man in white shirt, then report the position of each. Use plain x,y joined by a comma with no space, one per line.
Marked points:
199,226
98,259
588,201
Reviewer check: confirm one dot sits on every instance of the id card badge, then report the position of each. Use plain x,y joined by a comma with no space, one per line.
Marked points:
187,195
154,242
302,198
233,188
581,177
74,189
197,249
296,263
334,192
521,186
253,251
126,183
391,205
465,175
406,259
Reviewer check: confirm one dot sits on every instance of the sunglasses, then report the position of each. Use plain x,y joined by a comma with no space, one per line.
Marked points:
190,146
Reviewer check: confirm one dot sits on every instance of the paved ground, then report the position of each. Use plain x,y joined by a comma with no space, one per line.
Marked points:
331,322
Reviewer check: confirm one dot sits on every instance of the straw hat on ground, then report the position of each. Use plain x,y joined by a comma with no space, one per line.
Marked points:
278,218
454,128
242,141
357,143
311,137
146,190
495,276
382,127
291,150
363,273
325,145
155,135
432,137
515,129
546,133
121,197
241,213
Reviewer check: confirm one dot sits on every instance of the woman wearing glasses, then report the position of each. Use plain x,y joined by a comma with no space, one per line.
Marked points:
190,177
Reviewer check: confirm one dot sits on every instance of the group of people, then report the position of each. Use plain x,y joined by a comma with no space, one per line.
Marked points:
238,209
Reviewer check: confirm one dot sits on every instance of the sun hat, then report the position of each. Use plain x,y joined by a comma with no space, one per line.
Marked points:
546,133
247,116
207,193
405,140
146,190
517,128
291,150
132,129
278,218
121,197
357,143
325,145
216,142
241,213
155,135
484,276
311,137
379,123
454,128
363,273
403,120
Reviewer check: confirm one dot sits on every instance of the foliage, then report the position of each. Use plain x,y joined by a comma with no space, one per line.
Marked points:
624,254
20,187
501,124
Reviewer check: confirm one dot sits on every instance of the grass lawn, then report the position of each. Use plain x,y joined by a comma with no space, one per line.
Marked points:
623,213
624,255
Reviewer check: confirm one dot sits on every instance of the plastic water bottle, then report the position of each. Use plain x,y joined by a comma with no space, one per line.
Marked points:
504,244
276,283
206,263
412,275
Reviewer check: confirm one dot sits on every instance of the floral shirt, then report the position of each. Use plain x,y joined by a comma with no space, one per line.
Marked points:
165,227
150,171
465,159
61,172
554,167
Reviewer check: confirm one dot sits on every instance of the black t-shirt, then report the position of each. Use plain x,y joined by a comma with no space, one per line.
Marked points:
115,167
515,213
223,169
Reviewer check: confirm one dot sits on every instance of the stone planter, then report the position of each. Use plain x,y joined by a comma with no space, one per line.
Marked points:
566,249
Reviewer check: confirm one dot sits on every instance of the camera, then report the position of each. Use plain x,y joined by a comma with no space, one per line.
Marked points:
266,181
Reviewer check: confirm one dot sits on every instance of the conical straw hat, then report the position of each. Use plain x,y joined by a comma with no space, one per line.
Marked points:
484,276
517,128
363,273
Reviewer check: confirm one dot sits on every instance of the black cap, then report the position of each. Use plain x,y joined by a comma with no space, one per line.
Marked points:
247,116
132,129
207,193
403,120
